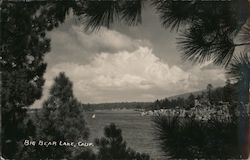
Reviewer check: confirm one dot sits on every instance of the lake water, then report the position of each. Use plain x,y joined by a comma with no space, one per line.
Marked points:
137,131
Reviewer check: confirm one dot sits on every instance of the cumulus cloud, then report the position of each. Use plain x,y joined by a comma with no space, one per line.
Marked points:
76,46
132,76
112,66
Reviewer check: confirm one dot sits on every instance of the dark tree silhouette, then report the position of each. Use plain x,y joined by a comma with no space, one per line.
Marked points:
239,70
23,46
113,147
209,28
229,92
190,101
22,68
209,92
95,14
61,119
190,139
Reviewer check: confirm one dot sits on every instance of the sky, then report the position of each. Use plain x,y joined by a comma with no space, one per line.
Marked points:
124,63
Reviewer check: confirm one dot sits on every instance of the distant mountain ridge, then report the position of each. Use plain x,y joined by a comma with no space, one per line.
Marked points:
118,105
185,95
132,105
135,105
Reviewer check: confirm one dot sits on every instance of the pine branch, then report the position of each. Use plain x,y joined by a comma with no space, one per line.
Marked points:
242,44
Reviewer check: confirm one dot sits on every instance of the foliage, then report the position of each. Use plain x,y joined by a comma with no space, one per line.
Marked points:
119,105
189,138
209,28
113,147
239,70
22,68
23,46
190,101
95,14
61,119
209,90
228,93
166,103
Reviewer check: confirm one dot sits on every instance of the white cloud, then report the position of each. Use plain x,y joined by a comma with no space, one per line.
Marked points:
106,39
109,66
132,76
76,46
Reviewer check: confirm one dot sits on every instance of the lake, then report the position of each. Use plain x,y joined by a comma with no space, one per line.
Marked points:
137,131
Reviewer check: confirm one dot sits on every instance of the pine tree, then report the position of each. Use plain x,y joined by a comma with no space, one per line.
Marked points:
113,147
61,119
190,101
192,139
23,46
228,92
209,91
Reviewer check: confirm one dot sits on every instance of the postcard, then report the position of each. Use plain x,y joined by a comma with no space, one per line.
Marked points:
125,79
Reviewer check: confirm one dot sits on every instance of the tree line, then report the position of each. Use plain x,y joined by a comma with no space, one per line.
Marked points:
211,96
